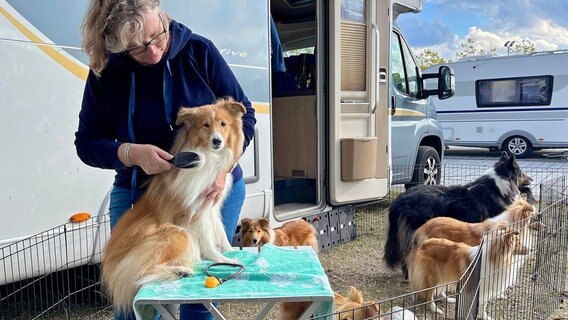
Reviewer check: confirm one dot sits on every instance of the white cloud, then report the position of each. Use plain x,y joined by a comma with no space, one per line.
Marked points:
543,22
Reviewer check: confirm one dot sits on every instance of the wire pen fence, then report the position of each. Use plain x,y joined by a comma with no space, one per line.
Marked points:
67,291
530,285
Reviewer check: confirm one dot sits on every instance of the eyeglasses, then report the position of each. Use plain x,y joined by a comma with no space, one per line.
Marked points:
156,41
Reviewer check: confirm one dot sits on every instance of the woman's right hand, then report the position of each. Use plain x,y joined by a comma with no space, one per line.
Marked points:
150,158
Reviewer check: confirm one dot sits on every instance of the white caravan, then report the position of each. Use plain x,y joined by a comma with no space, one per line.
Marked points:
323,133
514,103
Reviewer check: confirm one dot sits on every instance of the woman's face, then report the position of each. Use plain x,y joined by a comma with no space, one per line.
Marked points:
156,40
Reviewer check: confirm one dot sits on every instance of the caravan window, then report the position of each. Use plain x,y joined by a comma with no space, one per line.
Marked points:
525,91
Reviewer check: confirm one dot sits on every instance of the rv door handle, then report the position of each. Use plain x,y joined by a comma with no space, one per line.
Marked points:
393,105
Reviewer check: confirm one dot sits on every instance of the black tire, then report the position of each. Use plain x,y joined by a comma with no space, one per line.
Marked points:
427,169
520,146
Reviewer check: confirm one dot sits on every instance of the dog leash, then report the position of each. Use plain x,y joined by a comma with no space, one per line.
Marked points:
212,281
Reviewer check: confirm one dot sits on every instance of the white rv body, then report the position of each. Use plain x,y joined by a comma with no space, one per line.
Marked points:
515,103
322,144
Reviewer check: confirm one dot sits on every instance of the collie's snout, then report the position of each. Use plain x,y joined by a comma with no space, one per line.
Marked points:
217,142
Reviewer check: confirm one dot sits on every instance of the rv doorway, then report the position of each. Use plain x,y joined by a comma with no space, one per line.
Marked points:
295,109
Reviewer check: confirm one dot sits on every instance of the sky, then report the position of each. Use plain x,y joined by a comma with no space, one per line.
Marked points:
444,24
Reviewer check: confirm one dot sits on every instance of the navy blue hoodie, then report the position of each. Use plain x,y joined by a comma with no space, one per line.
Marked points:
198,75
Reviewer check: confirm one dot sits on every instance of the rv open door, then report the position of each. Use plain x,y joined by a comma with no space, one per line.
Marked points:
358,120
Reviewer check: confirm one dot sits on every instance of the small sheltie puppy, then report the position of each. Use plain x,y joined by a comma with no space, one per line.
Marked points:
167,231
518,214
353,307
438,261
292,233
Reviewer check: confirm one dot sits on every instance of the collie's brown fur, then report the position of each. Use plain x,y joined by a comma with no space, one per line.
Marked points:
519,214
292,233
438,261
167,231
353,307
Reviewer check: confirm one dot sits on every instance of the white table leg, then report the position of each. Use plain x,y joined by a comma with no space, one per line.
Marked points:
214,311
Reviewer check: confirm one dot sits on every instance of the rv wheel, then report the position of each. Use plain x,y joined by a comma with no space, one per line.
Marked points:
427,169
521,147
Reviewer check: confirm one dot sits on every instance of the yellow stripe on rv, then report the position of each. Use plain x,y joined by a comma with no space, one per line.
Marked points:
75,68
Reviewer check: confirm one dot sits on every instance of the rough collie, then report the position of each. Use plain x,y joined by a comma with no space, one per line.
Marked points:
519,214
292,233
486,197
439,261
168,230
353,307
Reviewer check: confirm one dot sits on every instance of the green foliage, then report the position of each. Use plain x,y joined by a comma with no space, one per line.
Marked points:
469,49
523,47
428,58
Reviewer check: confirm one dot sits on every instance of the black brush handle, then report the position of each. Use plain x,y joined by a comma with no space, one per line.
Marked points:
185,160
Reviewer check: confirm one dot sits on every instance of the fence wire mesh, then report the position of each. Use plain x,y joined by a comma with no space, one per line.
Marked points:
71,288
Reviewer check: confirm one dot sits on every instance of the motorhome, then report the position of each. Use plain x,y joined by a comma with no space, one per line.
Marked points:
514,103
345,100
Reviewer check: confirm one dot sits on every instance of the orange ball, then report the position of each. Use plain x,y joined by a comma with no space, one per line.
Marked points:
211,282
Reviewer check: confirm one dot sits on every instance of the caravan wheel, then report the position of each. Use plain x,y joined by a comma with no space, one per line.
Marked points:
520,146
427,169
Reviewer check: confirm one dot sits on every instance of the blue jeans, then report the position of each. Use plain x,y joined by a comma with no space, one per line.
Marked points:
120,202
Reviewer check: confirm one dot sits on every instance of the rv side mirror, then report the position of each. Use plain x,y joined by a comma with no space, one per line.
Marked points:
446,82
446,86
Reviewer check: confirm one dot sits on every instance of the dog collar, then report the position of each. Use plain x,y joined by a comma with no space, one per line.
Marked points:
212,281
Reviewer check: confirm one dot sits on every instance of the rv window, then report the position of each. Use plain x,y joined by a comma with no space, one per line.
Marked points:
525,91
353,10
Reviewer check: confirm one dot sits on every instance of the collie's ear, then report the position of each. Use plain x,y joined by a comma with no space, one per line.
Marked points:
235,108
245,223
355,295
185,115
339,299
504,156
264,224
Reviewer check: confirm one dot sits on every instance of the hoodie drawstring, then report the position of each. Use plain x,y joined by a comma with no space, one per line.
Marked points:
167,86
168,94
131,108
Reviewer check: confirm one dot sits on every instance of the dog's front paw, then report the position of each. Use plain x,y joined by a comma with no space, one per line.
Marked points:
226,248
181,272
229,260
451,300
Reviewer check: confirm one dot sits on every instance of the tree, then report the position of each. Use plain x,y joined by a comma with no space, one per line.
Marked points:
523,47
428,58
469,49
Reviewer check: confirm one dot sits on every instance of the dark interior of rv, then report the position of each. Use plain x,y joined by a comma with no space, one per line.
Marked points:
295,105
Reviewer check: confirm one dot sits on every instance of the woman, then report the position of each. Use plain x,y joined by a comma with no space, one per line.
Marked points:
143,67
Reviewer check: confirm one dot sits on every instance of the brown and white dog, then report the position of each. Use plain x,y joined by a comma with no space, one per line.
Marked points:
438,261
168,230
518,214
292,233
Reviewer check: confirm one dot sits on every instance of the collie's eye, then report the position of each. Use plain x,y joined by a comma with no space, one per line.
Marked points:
206,125
223,123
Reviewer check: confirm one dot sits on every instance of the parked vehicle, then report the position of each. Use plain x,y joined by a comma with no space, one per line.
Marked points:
514,103
323,137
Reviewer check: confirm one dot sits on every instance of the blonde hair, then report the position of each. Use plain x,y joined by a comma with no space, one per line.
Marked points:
111,25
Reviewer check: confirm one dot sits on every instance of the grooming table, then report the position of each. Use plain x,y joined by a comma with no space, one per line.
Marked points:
273,275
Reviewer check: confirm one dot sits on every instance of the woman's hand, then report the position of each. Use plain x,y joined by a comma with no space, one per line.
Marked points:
150,158
213,193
